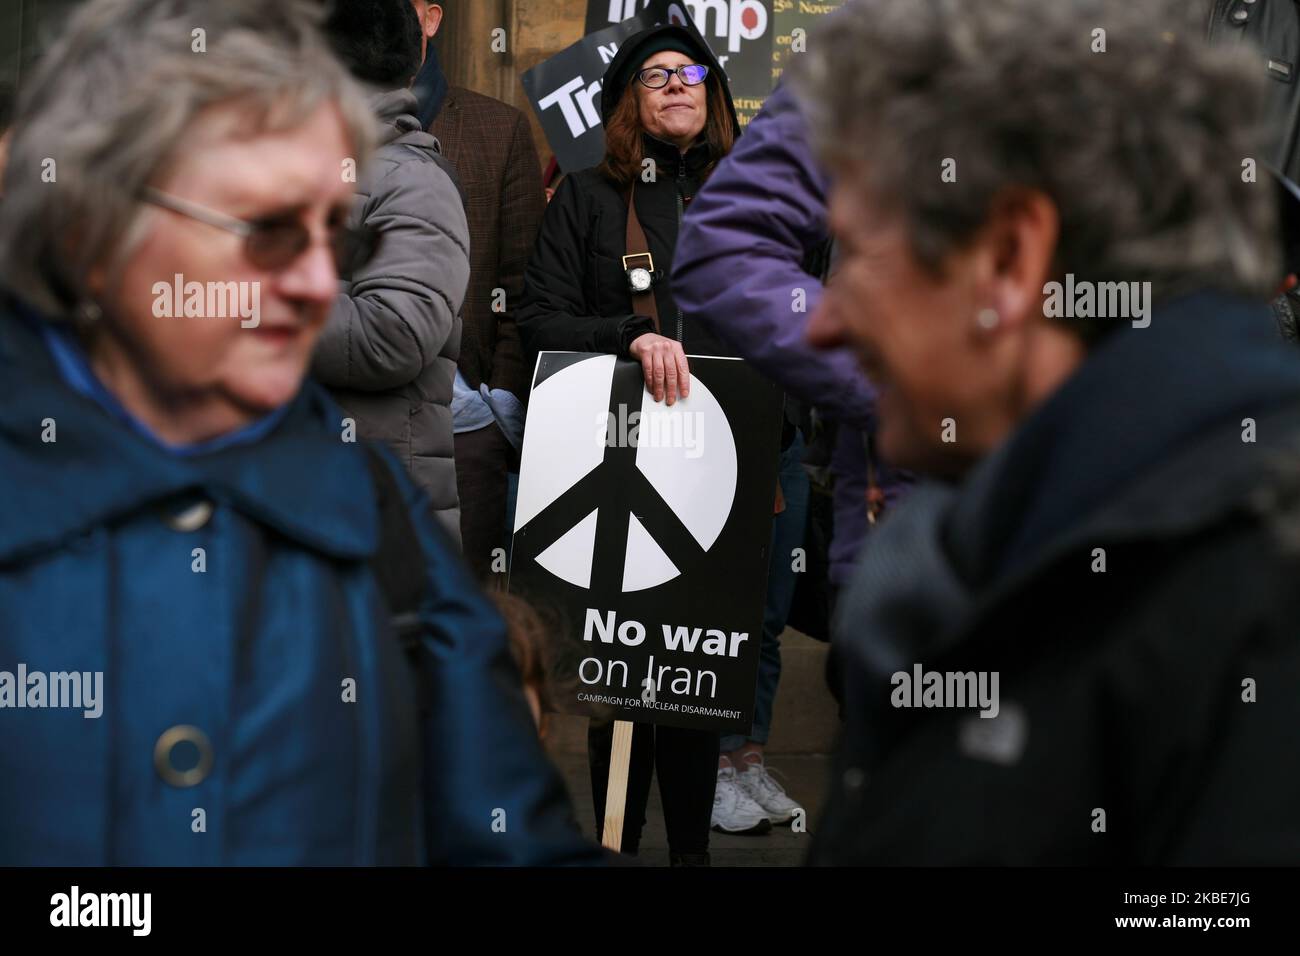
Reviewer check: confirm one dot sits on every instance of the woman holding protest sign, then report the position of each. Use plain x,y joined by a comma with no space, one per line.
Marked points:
598,282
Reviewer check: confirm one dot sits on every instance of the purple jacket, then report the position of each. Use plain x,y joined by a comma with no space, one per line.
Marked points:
739,263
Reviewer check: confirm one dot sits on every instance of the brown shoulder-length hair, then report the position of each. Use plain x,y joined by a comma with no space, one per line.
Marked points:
624,148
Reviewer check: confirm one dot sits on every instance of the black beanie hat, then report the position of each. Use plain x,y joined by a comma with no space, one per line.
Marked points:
639,47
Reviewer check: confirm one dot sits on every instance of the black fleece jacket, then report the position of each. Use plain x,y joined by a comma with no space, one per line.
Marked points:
576,296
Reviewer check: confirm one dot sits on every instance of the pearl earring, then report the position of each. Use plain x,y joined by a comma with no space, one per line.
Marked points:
87,313
988,319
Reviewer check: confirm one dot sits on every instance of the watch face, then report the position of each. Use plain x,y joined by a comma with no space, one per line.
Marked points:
640,280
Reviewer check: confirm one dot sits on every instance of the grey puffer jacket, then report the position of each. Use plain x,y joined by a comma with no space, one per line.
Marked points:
389,350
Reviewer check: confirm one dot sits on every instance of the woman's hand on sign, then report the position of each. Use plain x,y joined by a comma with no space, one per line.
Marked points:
666,372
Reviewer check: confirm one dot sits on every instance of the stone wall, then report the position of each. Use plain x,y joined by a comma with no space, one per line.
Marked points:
534,31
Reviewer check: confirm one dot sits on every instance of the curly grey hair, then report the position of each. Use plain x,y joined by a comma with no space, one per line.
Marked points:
111,104
1140,147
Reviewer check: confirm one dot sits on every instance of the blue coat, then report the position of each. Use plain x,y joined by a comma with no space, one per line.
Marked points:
227,600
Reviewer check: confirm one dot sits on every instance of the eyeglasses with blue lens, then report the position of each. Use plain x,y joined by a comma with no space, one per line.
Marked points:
657,77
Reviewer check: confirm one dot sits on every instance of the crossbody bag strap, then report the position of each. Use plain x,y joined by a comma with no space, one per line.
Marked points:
639,257
875,494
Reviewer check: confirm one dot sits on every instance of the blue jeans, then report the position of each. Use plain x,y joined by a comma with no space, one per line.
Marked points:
787,534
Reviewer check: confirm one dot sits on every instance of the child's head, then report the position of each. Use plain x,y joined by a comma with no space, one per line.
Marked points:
546,665
528,646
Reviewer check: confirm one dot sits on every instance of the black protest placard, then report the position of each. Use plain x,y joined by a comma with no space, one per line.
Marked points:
642,532
739,32
792,21
565,94
605,13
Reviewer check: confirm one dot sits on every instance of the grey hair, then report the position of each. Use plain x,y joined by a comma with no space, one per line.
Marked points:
1141,148
111,104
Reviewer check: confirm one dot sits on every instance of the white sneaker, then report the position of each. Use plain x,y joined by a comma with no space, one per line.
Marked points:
763,790
733,811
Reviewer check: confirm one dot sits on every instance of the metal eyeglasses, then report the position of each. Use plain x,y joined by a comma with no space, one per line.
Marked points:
657,77
275,243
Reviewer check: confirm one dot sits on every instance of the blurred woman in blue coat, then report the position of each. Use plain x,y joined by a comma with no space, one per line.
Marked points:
197,661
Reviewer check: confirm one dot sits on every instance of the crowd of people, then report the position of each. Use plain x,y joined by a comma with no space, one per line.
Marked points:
279,531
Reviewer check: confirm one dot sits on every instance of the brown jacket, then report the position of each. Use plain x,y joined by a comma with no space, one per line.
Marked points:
491,146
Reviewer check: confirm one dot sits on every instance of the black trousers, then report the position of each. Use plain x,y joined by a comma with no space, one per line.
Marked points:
482,466
687,764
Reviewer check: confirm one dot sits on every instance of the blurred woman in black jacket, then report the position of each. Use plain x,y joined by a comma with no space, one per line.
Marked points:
1111,564
668,120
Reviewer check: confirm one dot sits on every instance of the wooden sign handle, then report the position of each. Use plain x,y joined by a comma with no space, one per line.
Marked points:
620,758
